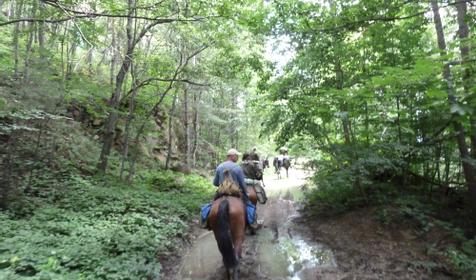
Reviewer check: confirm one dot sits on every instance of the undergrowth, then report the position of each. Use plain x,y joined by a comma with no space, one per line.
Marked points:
374,177
74,227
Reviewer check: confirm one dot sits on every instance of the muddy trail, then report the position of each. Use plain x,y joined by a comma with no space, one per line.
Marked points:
291,246
279,250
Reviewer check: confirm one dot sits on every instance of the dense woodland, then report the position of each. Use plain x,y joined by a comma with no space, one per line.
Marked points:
110,109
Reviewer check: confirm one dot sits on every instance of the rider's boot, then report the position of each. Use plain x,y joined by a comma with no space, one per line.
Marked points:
204,224
254,225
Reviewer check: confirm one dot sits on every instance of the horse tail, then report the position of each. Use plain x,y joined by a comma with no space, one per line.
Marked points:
225,244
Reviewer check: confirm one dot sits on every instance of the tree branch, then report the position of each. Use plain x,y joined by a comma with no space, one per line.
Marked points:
369,21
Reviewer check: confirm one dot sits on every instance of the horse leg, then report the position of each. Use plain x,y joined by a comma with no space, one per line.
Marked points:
232,273
238,244
238,228
221,228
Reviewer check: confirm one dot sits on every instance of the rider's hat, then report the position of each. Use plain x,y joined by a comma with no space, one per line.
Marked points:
232,152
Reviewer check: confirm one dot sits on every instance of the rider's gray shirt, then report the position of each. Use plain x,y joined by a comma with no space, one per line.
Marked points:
235,171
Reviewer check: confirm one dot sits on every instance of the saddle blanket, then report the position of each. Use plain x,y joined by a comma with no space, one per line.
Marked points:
250,212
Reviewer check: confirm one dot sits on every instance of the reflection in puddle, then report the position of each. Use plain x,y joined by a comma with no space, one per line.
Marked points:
287,257
202,259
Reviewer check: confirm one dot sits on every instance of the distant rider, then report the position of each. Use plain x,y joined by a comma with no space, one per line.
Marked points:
254,154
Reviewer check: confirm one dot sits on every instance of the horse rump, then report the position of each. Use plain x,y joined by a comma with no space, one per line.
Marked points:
223,236
286,163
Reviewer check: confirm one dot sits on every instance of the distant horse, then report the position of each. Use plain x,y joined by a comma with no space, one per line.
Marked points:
265,163
286,165
227,220
277,166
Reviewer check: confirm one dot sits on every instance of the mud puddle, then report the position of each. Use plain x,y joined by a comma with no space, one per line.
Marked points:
281,249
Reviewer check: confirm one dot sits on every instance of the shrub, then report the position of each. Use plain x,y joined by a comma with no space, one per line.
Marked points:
358,176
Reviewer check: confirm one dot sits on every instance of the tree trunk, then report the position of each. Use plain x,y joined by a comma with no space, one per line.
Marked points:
464,46
367,131
90,61
186,123
16,11
112,69
130,117
345,118
41,31
447,167
233,124
398,121
196,126
29,44
468,169
63,39
170,127
70,60
111,122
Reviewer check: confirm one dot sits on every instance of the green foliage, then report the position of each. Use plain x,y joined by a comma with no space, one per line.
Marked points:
82,228
3,103
361,176
460,252
464,259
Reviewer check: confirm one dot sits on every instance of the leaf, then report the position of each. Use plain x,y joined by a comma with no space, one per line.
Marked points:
436,93
3,103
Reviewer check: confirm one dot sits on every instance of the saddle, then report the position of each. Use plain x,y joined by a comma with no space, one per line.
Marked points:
260,192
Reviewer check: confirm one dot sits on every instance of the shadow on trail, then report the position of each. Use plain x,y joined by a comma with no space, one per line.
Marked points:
281,249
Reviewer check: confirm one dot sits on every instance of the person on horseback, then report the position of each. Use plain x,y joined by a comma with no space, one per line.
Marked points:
254,154
280,159
231,167
286,156
235,171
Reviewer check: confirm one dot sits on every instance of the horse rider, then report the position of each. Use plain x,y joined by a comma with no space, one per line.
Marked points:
254,154
285,155
280,158
236,174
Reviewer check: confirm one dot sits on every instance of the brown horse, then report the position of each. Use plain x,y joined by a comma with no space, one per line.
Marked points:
253,170
228,221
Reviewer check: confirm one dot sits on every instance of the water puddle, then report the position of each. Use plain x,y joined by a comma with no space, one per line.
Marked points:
277,251
285,255
202,259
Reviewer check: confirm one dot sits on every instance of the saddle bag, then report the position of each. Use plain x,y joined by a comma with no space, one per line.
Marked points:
260,194
228,186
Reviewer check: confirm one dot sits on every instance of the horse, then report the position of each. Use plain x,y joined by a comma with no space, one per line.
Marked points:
253,171
265,163
227,219
286,165
277,166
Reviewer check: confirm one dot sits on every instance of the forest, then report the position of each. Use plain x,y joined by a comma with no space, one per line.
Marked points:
115,114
